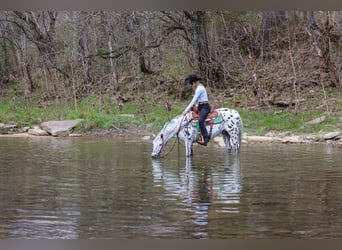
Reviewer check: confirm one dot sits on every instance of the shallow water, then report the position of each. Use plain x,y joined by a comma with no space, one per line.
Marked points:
83,188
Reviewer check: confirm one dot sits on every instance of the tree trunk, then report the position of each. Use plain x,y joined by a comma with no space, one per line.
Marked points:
144,42
210,70
321,41
325,60
201,44
266,25
310,18
271,21
6,66
75,38
85,51
26,68
113,69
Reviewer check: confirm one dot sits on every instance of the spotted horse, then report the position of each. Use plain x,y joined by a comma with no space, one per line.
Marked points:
228,124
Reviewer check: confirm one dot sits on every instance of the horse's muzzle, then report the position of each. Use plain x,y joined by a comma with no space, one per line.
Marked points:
154,155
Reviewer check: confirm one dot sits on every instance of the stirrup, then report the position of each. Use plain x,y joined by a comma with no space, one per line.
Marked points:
200,140
202,143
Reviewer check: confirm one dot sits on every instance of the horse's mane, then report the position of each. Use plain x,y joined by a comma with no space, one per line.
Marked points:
171,126
172,121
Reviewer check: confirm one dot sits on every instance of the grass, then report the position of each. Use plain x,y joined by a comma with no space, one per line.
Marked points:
104,113
28,113
260,122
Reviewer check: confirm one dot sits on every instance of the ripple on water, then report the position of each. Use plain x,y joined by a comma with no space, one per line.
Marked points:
109,188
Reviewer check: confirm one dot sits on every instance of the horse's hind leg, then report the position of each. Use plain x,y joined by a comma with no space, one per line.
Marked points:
235,141
226,139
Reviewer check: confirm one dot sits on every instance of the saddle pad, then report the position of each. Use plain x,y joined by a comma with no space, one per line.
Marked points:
218,119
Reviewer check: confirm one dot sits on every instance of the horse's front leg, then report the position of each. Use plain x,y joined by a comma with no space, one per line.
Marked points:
188,148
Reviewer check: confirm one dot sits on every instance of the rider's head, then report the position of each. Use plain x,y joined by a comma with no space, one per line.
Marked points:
192,80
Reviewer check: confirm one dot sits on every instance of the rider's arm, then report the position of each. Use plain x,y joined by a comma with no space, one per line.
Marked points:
194,100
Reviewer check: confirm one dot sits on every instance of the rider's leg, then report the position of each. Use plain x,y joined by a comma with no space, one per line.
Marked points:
204,111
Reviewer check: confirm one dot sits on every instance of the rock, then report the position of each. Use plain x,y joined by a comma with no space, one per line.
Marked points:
332,135
219,141
127,115
317,120
292,139
277,134
146,137
23,129
256,138
75,135
7,128
37,131
266,139
60,128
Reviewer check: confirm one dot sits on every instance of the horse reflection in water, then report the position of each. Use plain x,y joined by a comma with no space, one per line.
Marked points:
201,189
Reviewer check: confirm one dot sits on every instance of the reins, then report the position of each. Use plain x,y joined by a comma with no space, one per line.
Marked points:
179,129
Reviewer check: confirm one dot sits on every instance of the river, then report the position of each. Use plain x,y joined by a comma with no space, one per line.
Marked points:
82,188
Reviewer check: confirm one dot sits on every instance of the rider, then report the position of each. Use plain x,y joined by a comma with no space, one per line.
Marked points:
201,97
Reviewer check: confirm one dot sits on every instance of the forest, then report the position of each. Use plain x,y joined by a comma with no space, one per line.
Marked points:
272,61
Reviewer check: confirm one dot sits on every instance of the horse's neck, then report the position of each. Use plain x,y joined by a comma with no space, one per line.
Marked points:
168,136
171,129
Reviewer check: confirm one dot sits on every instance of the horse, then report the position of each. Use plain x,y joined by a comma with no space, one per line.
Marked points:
229,126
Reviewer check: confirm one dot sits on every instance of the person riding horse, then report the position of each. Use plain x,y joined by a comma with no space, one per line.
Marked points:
200,97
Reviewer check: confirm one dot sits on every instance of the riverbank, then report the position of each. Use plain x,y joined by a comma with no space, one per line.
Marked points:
133,119
146,133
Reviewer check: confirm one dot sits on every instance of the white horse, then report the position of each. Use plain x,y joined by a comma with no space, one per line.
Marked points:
230,128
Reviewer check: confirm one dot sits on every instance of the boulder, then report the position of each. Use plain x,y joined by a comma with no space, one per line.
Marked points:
37,131
60,128
332,135
7,128
316,120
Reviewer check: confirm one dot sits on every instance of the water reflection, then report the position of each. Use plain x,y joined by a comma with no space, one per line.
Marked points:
109,188
204,189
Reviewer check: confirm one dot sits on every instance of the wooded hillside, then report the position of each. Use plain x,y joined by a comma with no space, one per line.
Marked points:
269,58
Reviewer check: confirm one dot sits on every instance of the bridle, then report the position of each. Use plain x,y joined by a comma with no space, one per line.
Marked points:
179,129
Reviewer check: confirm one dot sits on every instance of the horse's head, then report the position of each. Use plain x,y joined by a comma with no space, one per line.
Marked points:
158,145
169,130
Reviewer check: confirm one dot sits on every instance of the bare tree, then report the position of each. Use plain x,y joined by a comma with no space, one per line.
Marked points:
83,43
271,21
321,37
4,41
40,29
102,50
193,25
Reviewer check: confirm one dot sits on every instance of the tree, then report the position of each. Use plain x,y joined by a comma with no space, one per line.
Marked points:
4,47
193,25
270,21
321,37
40,28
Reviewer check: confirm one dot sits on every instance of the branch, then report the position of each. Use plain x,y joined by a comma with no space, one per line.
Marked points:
114,54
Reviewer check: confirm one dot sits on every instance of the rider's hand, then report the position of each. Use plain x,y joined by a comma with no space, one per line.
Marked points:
184,113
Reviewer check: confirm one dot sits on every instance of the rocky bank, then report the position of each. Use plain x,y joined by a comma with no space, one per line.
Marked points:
65,128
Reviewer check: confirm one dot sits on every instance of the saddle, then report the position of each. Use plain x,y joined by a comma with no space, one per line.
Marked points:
214,117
